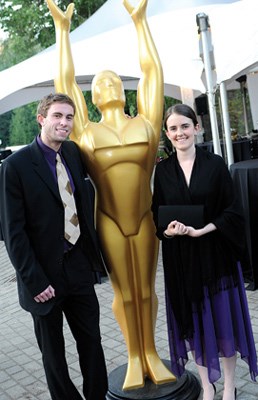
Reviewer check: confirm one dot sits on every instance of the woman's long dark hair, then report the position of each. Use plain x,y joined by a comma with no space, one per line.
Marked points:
180,109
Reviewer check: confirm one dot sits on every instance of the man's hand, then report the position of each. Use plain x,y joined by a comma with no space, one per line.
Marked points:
46,295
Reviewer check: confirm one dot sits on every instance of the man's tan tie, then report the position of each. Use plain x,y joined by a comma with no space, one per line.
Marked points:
72,228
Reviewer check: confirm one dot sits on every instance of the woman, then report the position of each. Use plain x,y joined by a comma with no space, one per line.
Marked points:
206,302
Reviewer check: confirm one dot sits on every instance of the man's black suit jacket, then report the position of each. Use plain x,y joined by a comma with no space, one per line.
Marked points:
32,220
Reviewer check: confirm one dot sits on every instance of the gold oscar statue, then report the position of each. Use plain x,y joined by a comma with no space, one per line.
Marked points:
120,154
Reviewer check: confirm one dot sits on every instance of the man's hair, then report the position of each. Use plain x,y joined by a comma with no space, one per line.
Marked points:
50,99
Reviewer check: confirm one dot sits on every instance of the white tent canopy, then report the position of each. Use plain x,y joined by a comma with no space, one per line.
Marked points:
235,38
107,40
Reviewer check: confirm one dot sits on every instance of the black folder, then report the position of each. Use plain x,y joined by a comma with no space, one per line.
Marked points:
190,215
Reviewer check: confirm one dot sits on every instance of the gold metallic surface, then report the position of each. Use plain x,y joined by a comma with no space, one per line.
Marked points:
120,154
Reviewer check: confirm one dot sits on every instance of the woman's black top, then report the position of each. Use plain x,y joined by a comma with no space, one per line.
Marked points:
190,264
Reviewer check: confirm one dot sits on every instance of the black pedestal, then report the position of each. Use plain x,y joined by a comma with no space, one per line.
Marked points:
185,388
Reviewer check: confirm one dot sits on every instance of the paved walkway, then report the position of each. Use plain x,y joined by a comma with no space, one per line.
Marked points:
21,372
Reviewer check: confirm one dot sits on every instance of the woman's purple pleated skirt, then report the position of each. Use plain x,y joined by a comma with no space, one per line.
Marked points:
226,331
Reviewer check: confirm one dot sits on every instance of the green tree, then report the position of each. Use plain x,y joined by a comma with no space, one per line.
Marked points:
5,121
94,114
236,111
165,145
23,127
131,103
30,29
15,49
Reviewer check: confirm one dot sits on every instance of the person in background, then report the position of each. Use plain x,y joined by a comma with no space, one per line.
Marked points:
53,264
207,311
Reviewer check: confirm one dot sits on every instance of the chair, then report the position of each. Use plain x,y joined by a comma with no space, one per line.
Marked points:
4,154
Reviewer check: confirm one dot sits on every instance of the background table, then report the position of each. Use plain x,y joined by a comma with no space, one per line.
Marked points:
242,149
245,178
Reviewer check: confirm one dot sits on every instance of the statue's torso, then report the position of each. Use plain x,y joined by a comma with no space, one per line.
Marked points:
121,167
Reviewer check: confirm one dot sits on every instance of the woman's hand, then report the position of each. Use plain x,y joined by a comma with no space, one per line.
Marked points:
61,19
193,232
202,231
137,12
176,228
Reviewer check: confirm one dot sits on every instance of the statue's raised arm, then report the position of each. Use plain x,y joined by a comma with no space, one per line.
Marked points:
150,94
62,20
136,12
65,79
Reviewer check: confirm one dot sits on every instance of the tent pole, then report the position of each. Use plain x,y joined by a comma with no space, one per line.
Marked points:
226,123
242,82
202,22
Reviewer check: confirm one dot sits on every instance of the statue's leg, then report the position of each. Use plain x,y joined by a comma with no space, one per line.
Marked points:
117,254
146,256
126,315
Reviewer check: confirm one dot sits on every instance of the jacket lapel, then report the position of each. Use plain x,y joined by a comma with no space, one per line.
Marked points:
42,169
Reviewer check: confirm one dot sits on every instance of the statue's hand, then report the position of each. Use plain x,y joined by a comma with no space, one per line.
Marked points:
137,12
61,19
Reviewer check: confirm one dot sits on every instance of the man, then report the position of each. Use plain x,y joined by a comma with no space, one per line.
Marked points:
54,273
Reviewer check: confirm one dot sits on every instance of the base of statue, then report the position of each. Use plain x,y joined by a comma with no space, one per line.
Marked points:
185,388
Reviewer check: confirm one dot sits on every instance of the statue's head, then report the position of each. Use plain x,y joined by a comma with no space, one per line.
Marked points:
107,87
